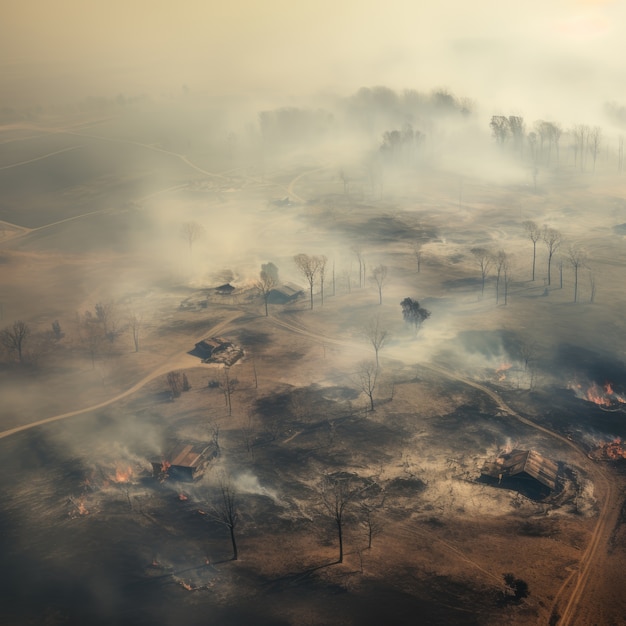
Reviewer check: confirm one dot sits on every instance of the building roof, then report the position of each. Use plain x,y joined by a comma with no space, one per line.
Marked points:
225,288
186,454
527,462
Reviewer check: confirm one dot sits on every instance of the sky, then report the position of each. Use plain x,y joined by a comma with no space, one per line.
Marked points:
536,54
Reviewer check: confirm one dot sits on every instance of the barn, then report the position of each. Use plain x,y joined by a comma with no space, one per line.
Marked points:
184,461
526,471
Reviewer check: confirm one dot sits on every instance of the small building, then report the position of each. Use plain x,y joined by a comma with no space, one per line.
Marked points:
523,470
285,293
225,290
184,462
208,348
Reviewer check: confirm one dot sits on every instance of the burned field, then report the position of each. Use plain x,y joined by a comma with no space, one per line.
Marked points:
481,440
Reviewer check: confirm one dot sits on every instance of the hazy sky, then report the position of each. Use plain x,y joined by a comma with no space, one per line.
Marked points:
536,53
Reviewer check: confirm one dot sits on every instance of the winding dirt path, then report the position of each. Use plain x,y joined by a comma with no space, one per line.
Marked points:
169,364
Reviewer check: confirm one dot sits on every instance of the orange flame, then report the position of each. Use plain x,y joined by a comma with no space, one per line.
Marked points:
123,473
614,450
602,396
501,371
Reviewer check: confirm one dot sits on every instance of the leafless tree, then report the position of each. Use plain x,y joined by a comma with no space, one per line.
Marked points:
369,510
135,324
309,266
366,378
227,385
225,510
594,138
214,432
534,234
552,238
191,232
14,337
577,259
379,275
359,255
506,270
417,253
264,286
322,260
345,180
90,334
57,333
499,260
337,494
528,351
376,335
592,287
483,257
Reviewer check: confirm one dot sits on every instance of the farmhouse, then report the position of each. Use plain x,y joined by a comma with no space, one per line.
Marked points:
184,461
208,348
525,469
225,290
288,292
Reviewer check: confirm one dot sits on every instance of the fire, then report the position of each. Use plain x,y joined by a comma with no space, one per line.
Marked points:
613,450
123,474
601,395
81,509
501,371
182,497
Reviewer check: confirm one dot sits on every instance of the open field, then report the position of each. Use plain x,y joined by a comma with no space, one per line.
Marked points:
93,216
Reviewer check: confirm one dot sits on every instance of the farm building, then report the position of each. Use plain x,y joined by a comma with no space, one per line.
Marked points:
225,290
288,292
208,348
184,461
523,470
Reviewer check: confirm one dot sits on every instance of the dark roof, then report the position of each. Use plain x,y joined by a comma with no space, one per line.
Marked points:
523,462
226,288
187,454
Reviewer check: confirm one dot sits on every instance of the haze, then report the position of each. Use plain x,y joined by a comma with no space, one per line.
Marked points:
312,313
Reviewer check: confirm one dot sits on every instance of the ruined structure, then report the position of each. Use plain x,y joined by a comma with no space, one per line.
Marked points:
523,470
184,461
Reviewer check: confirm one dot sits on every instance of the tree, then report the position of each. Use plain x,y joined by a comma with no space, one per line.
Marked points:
506,270
322,260
175,384
337,493
264,286
594,138
379,275
534,234
135,323
552,239
376,335
517,588
484,259
500,260
309,266
14,337
417,253
367,377
90,334
577,259
225,510
359,255
57,333
413,313
191,232
271,270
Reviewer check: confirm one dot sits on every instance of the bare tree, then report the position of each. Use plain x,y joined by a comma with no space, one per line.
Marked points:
90,334
135,323
337,493
309,266
322,260
227,385
594,138
528,351
376,335
225,510
592,287
483,257
369,512
191,232
417,253
379,275
14,337
534,234
366,378
552,238
264,286
359,255
57,333
506,270
499,260
577,259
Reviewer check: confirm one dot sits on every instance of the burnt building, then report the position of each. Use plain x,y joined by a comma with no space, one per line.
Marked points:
208,348
525,471
225,290
184,461
283,294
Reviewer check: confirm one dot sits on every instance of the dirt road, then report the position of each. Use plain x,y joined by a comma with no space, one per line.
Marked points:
170,363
